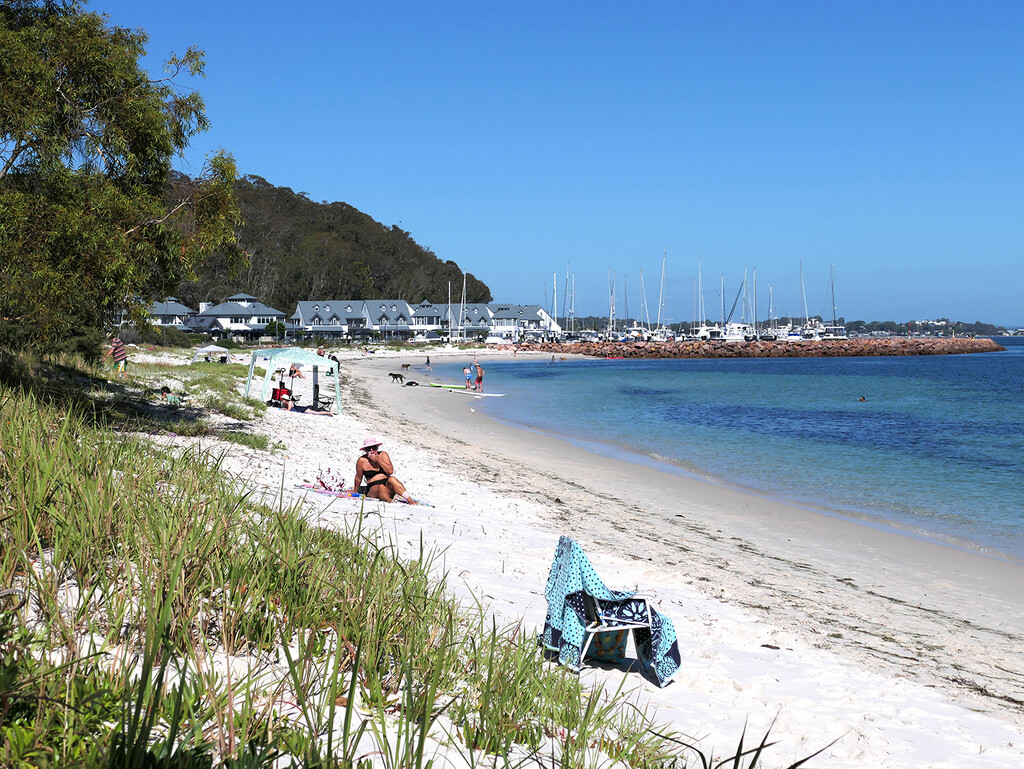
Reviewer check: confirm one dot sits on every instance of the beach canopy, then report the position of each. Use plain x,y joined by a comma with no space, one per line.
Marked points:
284,357
210,349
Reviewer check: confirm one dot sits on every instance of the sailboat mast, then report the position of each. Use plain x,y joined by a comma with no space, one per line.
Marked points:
554,298
625,299
462,311
661,290
803,293
832,280
757,334
644,311
721,295
701,312
611,302
572,311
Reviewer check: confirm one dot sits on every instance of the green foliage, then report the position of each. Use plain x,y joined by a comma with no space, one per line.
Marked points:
275,329
92,218
301,250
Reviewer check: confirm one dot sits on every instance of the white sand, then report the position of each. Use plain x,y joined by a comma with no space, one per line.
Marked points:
909,652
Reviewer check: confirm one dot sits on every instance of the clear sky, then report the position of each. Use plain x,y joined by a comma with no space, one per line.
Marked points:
521,139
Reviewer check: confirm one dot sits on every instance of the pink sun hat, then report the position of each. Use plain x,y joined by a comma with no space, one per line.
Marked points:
370,443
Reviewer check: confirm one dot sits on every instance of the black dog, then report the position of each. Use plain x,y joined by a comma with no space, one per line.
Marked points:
412,383
397,378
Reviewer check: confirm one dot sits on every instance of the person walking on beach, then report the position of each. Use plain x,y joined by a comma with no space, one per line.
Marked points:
428,363
119,355
375,469
479,378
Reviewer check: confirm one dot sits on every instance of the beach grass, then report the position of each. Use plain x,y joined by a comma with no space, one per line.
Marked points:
159,616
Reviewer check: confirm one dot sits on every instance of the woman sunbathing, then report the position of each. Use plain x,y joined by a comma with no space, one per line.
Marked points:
374,468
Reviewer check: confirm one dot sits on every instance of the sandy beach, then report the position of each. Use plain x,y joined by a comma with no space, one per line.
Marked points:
907,652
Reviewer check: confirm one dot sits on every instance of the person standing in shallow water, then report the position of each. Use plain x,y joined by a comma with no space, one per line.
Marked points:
468,376
479,378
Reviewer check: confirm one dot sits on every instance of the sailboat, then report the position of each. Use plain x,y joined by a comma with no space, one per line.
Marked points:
661,333
742,331
836,330
703,332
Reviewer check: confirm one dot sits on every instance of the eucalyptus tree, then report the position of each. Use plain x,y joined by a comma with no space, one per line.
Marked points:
94,222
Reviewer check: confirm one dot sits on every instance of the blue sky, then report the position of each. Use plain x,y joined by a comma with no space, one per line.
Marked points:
518,139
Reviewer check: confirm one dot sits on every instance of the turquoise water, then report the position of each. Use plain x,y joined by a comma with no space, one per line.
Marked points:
937,446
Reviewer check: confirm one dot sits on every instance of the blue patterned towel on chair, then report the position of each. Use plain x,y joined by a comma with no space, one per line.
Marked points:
570,579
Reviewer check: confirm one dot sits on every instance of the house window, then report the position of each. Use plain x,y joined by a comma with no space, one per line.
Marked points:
316,308
327,308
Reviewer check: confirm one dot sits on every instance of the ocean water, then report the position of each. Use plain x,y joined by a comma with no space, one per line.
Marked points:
936,447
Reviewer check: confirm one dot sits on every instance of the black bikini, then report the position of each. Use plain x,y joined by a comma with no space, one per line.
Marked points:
376,481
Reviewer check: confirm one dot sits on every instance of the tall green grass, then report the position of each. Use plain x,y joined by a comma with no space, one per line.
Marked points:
170,620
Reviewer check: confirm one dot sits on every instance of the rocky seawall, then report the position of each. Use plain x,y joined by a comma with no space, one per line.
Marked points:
759,349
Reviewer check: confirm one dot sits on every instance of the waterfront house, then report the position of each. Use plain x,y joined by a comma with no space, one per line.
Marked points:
240,317
515,322
171,313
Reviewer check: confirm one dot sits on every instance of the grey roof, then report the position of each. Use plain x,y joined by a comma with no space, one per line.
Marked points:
426,310
390,311
242,298
517,311
475,311
234,308
203,324
170,306
325,309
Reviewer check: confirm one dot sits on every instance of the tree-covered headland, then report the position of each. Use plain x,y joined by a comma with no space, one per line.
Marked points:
300,249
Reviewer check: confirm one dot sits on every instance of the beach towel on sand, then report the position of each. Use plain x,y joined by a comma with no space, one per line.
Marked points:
571,577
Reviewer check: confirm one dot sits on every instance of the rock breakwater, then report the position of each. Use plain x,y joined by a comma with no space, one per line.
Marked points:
760,349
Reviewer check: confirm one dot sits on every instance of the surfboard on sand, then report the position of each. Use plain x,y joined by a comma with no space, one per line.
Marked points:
449,387
481,395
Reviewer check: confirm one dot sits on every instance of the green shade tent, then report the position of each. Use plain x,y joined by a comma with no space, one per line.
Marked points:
284,358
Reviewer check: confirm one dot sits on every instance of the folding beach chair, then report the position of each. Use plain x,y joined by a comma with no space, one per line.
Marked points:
585,618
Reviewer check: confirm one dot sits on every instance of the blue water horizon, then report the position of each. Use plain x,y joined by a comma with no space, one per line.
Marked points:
935,448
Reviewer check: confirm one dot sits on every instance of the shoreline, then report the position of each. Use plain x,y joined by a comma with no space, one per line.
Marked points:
908,651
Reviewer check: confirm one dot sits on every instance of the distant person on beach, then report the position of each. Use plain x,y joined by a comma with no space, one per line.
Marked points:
119,356
295,371
321,351
479,378
468,377
428,363
168,397
374,468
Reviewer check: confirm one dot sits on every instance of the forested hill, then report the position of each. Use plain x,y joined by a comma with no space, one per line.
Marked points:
300,250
